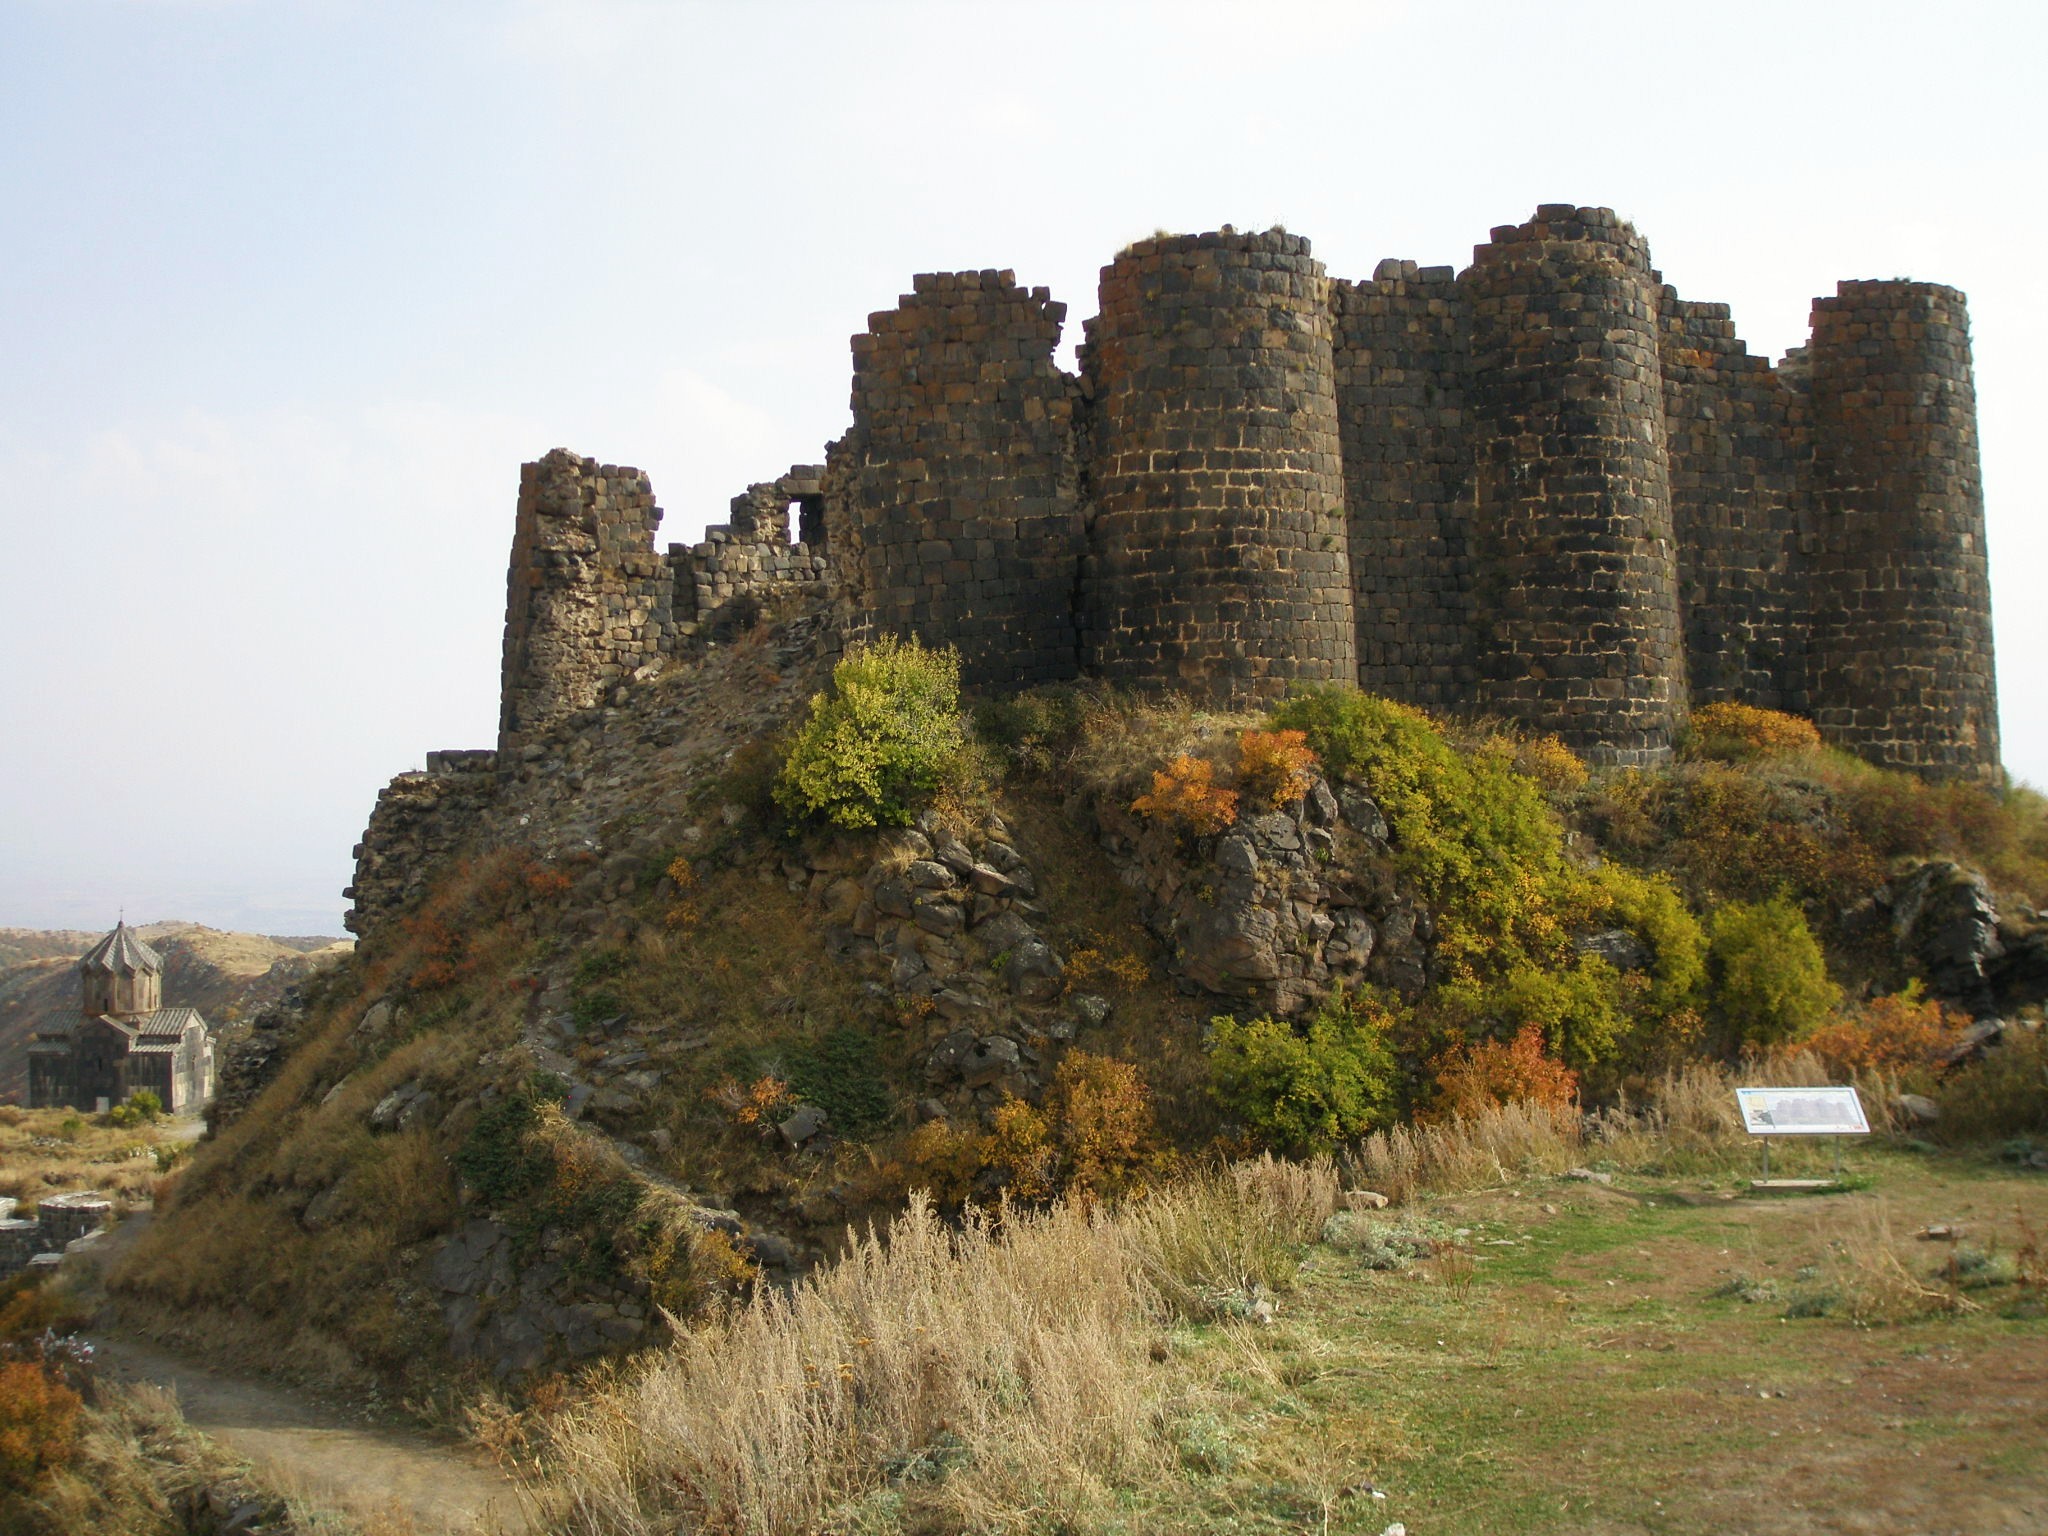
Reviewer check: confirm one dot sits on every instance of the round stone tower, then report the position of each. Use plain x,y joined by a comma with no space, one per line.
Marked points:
1901,647
1575,591
1217,559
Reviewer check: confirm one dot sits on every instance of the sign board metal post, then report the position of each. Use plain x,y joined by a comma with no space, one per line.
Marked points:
1768,1112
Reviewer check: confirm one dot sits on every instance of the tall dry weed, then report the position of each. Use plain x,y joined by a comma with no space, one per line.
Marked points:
1007,1358
1498,1145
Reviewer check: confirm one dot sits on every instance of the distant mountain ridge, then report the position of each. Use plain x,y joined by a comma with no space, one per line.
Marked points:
224,975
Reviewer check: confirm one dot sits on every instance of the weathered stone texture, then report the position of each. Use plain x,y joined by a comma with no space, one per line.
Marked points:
419,818
588,601
1217,560
1737,438
1402,362
953,504
1901,620
723,581
1575,567
1546,487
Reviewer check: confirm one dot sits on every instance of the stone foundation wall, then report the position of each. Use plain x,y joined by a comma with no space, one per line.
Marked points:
952,507
1217,559
1576,579
1901,621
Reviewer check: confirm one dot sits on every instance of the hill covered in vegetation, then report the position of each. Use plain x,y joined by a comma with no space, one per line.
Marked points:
781,940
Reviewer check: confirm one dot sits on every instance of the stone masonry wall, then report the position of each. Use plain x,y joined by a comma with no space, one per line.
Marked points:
1737,437
1401,380
952,506
1217,561
588,602
418,820
1902,658
1546,487
722,580
1576,597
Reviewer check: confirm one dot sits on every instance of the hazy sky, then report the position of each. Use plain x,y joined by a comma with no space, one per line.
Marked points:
288,291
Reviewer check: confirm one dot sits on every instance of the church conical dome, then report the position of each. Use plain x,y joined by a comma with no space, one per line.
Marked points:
122,953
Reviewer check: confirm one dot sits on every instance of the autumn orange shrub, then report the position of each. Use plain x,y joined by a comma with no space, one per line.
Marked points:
757,1104
1019,1147
1485,1074
1186,792
1905,1030
1093,1138
1732,732
1276,767
1101,1118
38,1424
547,883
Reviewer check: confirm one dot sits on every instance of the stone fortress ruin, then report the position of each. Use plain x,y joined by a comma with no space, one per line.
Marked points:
1544,487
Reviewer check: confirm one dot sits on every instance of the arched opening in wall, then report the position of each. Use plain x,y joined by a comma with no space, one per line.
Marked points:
810,521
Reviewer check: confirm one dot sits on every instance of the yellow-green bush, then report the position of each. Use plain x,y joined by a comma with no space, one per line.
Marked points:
1304,1090
1770,980
881,742
1474,831
1734,732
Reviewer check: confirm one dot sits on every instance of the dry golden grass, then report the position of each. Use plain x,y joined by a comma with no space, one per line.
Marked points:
1497,1146
47,1152
1008,1354
1006,1374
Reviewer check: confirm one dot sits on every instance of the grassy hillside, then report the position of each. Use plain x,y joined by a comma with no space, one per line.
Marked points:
679,1023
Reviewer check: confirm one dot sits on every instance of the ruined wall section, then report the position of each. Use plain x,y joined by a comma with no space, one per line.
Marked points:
419,819
952,507
1575,592
588,601
723,581
1401,361
1217,558
1901,623
1737,439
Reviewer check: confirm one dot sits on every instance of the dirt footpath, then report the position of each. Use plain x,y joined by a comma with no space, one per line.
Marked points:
302,1449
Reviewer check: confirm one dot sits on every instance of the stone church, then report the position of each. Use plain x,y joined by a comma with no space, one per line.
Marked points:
124,1039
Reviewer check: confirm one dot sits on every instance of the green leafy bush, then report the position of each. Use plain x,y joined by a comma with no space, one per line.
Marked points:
1474,831
881,742
1476,835
1305,1090
1770,980
839,1074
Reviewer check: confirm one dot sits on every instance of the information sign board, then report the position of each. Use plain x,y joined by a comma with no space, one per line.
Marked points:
1802,1112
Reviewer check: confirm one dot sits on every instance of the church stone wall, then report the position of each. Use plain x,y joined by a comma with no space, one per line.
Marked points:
1217,557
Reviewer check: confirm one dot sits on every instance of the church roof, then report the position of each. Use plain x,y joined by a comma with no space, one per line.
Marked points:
171,1022
121,952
